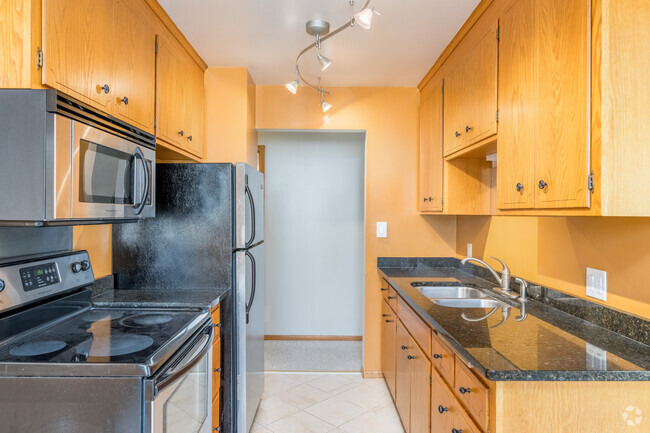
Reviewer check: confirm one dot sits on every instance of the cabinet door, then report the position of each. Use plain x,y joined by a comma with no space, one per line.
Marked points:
402,377
193,111
170,99
453,109
562,121
388,346
480,89
420,391
135,64
430,197
443,405
517,107
78,49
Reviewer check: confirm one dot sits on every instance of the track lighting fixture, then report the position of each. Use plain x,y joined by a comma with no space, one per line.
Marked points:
321,29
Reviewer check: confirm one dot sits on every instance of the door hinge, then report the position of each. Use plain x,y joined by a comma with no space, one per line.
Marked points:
497,116
156,49
430,380
39,58
590,182
499,33
155,122
442,199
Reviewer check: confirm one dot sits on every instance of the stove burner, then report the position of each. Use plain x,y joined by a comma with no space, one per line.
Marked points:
97,315
37,348
115,345
147,320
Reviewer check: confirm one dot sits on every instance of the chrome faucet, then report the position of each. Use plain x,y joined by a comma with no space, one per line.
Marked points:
504,279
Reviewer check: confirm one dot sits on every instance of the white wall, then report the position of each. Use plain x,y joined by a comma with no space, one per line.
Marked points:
314,228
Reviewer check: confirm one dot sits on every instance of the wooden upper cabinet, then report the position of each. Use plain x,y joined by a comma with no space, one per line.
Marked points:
517,107
430,198
134,93
562,121
179,82
470,92
78,49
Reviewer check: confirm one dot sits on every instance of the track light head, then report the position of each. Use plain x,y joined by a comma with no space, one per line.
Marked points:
364,17
325,105
324,61
293,86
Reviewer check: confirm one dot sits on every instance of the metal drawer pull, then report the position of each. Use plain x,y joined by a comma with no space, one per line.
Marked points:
542,184
453,430
383,290
125,100
218,325
467,129
464,390
105,88
217,370
389,321
442,409
391,297
384,315
404,347
457,134
437,356
410,357
519,187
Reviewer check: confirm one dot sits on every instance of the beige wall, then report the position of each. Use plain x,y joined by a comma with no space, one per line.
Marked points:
230,116
555,251
390,118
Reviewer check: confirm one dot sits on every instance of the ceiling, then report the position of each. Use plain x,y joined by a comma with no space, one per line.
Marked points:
267,35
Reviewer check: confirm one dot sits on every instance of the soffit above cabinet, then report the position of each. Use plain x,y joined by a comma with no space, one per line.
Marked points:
267,36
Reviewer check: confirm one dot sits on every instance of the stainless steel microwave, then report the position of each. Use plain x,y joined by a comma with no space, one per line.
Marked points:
62,162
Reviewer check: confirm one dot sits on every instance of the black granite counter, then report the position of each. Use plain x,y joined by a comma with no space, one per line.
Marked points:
149,298
536,342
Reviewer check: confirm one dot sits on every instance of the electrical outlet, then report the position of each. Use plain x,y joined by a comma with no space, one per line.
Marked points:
469,249
596,357
382,230
597,284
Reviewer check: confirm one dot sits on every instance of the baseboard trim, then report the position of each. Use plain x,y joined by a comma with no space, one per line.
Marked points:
315,337
372,374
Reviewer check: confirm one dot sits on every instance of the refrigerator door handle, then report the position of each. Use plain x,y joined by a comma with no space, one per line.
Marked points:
249,304
252,203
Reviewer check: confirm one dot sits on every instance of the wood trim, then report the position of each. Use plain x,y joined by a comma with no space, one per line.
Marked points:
175,31
371,374
315,337
261,162
473,18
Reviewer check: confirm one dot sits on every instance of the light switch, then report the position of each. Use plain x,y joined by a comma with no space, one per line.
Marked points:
382,229
597,284
469,249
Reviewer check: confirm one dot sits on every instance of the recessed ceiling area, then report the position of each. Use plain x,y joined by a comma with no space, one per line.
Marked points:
267,35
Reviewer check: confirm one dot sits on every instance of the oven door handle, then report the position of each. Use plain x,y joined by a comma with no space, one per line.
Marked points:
185,365
145,193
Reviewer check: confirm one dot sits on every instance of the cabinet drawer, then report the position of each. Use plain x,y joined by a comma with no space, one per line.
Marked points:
446,412
389,294
216,366
472,393
415,325
442,358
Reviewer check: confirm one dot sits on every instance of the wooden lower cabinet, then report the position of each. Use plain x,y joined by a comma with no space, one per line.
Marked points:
402,378
388,330
420,371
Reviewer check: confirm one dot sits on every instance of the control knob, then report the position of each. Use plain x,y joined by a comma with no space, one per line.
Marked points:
76,267
2,285
85,265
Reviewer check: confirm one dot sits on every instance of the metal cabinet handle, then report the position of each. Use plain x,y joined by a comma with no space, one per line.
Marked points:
467,129
218,325
391,297
437,356
519,187
383,289
124,100
464,390
189,138
425,199
457,134
389,321
442,409
105,88
542,184
453,430
217,370
404,347
409,357
216,428
384,315
181,133
145,191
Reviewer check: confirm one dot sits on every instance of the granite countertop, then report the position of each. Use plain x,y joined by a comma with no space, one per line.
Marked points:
151,298
547,345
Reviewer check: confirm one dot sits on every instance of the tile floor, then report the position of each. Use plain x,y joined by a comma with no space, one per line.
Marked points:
325,403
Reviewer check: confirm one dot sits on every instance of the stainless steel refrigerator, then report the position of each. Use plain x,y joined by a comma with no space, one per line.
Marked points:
208,233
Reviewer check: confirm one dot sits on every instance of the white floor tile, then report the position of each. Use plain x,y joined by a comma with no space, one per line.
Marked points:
335,411
303,396
334,383
370,422
256,428
276,383
272,409
300,422
367,397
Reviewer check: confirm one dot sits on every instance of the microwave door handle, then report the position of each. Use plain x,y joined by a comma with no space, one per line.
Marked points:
249,304
179,371
138,155
250,200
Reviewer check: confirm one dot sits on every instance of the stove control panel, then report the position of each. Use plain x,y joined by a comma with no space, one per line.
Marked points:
27,281
35,277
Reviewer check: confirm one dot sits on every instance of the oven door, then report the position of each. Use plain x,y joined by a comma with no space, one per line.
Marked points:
182,393
112,178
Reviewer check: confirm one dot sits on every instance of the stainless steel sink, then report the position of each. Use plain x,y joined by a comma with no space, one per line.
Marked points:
450,292
470,303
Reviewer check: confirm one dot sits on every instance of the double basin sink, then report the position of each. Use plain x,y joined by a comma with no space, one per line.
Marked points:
457,296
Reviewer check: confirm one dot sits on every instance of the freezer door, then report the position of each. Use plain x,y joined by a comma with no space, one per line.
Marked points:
249,198
250,335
